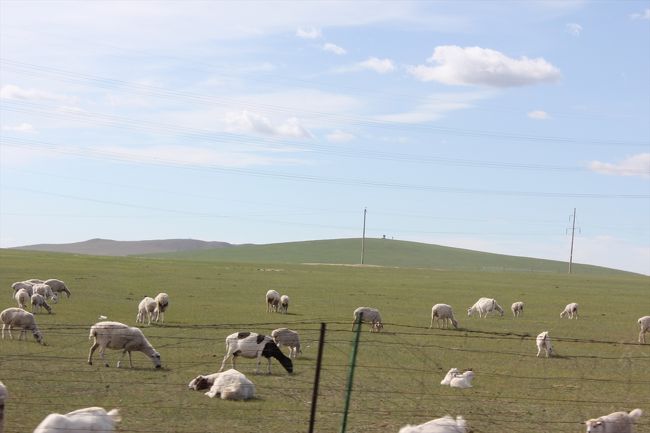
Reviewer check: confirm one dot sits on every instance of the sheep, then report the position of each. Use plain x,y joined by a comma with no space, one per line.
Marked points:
23,285
463,380
444,312
58,286
46,291
450,375
571,310
284,304
617,422
90,419
146,308
289,338
3,397
644,324
232,385
162,302
517,308
272,301
16,317
252,345
370,315
115,335
440,425
544,342
483,306
203,381
22,298
38,302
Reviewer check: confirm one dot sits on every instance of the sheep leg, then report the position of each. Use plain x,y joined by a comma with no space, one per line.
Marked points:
102,350
90,354
641,336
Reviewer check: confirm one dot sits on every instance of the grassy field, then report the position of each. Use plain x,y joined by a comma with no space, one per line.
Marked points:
599,367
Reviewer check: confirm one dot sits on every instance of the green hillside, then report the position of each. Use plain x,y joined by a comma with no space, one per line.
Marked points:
382,252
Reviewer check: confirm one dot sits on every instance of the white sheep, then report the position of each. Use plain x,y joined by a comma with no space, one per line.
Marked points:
272,301
369,315
445,313
517,308
146,309
617,422
58,286
162,302
45,291
22,297
463,380
232,385
90,419
644,324
289,338
284,304
450,375
571,310
484,306
38,302
252,345
203,381
543,342
3,397
23,285
118,336
17,317
440,425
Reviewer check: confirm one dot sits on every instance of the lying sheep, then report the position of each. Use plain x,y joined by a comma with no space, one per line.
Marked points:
58,286
17,317
284,304
118,336
289,338
22,297
571,310
484,306
252,345
440,425
90,419
517,308
450,375
368,315
272,301
644,324
3,397
232,385
162,302
146,309
544,343
445,313
617,422
203,381
463,380
38,302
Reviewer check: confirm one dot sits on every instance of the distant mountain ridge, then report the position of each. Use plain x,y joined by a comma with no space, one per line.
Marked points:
108,247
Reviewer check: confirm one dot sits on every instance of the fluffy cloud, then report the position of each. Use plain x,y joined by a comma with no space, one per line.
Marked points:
339,136
310,33
539,115
637,165
22,128
332,48
10,91
483,67
381,66
645,15
245,121
573,29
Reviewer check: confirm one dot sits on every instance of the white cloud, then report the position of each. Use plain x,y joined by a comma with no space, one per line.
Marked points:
483,67
332,48
538,115
339,136
10,91
637,165
246,121
22,128
381,66
645,15
310,33
573,29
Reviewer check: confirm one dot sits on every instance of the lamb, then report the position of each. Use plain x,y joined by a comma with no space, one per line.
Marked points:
146,309
22,298
617,422
440,425
289,338
38,302
16,317
115,335
644,324
463,380
284,304
517,308
370,315
444,312
252,345
483,307
23,285
45,291
162,302
90,419
571,310
544,342
232,385
58,286
3,397
272,300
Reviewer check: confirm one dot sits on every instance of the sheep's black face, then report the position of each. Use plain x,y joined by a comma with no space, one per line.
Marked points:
155,358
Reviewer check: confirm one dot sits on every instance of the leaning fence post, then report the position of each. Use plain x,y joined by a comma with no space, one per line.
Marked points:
314,396
353,361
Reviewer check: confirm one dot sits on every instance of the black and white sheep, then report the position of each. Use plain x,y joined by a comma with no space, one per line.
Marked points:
571,311
440,425
90,419
38,302
58,286
19,318
146,309
118,336
369,315
617,422
272,301
484,306
3,397
517,308
289,338
445,313
543,342
284,304
252,345
644,325
162,302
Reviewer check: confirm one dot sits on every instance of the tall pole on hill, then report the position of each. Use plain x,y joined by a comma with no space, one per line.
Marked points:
573,232
363,237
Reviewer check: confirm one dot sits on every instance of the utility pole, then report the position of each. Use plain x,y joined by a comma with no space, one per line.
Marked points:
573,232
363,238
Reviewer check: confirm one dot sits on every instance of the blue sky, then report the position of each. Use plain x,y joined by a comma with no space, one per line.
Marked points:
474,124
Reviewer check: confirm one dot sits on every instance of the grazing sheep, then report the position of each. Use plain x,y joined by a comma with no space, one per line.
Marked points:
58,286
289,338
617,422
644,324
444,312
544,342
463,380
571,310
90,419
369,315
517,308
118,336
23,285
272,301
232,385
484,306
440,425
252,345
284,304
146,309
22,298
162,302
16,317
38,302
3,397
45,291
450,375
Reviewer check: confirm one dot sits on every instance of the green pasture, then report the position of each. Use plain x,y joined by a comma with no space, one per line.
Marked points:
599,368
